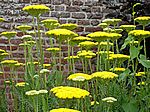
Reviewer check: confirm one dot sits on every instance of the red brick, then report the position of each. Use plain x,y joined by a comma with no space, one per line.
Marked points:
92,29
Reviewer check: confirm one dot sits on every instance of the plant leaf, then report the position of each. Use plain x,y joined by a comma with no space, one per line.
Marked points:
123,75
126,42
144,61
134,52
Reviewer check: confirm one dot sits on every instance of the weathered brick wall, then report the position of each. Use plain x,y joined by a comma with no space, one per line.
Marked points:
86,13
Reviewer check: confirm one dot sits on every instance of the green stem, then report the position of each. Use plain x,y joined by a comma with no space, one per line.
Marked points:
98,56
59,56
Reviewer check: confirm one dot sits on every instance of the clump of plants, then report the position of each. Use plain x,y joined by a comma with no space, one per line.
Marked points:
111,83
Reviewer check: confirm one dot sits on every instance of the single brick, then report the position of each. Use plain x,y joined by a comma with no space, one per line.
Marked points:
83,22
72,21
79,29
94,22
92,29
78,15
77,2
73,8
60,14
86,9
59,8
94,16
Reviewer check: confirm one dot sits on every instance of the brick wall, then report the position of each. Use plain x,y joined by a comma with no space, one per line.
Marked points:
86,13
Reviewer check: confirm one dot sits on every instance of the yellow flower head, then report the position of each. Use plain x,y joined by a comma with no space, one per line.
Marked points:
143,20
107,29
71,57
43,71
62,34
32,93
54,49
99,36
50,23
43,91
66,92
128,27
94,102
79,77
85,54
104,75
9,34
87,44
109,99
140,74
134,42
2,19
139,34
119,56
104,52
111,21
2,55
103,25
2,51
35,63
81,39
68,26
1,73
116,30
117,69
105,44
24,27
46,65
36,10
141,83
64,110
21,84
19,64
9,62
27,37
31,43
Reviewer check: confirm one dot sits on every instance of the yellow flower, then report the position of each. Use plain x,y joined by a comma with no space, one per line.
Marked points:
2,51
85,54
143,20
71,57
19,64
1,73
21,84
2,19
111,21
61,34
35,63
32,93
107,29
104,52
109,99
43,71
81,39
64,110
140,74
119,56
134,42
103,25
141,83
87,44
36,10
9,62
46,65
94,102
128,27
31,43
66,92
24,27
101,36
68,26
8,81
50,23
9,34
105,44
104,75
116,30
2,55
139,34
54,49
43,91
27,37
79,77
118,69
